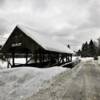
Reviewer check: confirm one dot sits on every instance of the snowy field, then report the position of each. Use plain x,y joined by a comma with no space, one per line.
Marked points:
18,83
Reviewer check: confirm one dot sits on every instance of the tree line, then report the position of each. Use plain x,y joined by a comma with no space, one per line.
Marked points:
91,49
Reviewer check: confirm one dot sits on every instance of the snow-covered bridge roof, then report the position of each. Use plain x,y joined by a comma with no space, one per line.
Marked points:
44,40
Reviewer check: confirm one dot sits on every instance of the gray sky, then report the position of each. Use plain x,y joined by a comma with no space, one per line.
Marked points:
69,21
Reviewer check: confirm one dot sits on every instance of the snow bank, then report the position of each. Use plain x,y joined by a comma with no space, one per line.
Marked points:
18,83
74,58
3,64
84,59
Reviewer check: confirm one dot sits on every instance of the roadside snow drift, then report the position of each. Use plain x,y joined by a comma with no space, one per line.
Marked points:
85,59
19,83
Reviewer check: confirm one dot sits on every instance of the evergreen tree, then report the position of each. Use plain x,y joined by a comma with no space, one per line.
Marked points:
85,48
0,46
98,48
79,53
92,49
82,51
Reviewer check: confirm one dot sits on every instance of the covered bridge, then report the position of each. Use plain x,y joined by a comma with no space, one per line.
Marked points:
38,49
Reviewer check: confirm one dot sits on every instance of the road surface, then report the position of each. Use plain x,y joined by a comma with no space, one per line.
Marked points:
81,83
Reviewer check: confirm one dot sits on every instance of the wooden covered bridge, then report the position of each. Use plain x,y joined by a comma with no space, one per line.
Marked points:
38,49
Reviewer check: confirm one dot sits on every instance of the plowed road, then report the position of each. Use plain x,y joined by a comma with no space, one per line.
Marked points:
81,83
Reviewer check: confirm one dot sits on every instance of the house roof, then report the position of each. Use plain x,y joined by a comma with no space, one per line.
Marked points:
44,40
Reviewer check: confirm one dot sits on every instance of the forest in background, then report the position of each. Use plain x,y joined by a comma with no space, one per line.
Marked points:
90,49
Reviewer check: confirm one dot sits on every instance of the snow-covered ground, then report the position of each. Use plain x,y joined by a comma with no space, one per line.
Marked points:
19,83
22,82
3,64
84,59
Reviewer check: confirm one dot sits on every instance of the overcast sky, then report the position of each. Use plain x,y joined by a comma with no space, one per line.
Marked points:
69,21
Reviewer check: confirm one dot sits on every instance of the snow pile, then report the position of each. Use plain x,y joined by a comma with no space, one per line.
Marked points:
74,58
3,64
18,83
84,59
